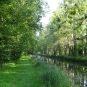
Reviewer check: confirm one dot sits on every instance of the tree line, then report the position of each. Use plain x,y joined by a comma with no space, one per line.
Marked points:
66,33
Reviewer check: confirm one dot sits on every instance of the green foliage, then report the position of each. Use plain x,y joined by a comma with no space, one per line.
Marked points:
19,21
16,53
67,24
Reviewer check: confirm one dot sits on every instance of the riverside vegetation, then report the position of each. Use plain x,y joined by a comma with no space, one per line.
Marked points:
29,72
77,59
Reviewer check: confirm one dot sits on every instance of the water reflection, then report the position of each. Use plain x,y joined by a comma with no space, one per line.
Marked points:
78,73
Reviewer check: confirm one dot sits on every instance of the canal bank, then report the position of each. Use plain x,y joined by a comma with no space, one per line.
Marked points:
76,71
74,59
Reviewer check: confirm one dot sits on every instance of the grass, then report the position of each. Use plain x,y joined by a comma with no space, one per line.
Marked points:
30,73
53,77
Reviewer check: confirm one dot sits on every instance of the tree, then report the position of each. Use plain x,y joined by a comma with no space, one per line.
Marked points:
19,20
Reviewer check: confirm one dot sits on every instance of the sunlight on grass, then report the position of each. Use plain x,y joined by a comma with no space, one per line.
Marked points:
26,58
12,64
9,72
26,73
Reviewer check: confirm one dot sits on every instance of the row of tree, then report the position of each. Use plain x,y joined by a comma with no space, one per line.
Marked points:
19,21
66,33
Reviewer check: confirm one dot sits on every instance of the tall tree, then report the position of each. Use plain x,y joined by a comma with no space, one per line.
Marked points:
19,21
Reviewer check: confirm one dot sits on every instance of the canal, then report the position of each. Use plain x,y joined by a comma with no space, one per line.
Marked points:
77,72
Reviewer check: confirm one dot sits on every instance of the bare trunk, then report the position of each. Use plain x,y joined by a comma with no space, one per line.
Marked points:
86,41
65,51
82,46
74,43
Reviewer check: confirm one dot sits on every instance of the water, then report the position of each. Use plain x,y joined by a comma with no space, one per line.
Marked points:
77,72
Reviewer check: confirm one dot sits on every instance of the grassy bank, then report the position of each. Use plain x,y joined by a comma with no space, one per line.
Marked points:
30,73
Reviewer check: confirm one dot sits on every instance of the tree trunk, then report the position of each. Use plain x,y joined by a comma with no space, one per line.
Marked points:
65,51
74,38
86,41
82,46
77,49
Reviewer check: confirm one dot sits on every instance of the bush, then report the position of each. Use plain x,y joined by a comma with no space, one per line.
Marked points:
16,53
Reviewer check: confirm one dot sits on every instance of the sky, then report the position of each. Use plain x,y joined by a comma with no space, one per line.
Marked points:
53,4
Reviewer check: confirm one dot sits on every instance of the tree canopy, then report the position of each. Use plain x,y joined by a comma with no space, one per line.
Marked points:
66,33
19,21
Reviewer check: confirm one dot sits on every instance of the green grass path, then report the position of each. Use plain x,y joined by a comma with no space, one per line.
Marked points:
23,74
